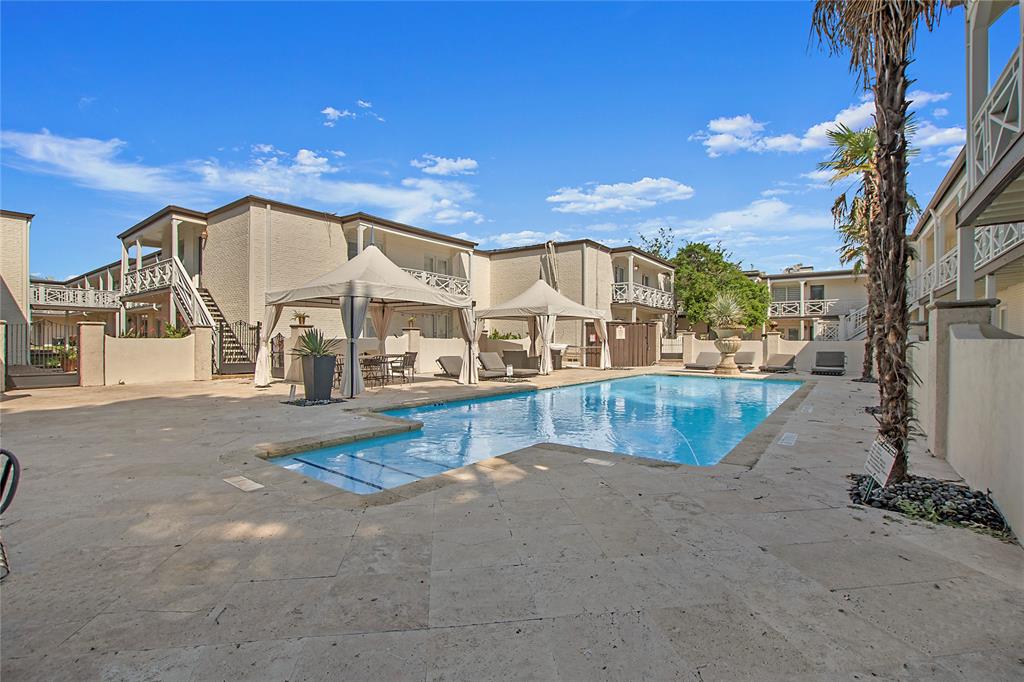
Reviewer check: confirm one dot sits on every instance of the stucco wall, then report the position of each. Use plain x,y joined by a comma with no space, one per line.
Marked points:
1011,301
806,350
149,361
226,263
14,269
985,429
921,356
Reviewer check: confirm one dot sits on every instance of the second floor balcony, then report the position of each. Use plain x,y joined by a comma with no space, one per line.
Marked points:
639,294
58,296
150,277
451,284
813,307
990,243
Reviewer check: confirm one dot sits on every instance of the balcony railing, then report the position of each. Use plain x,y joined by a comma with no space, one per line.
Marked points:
812,307
990,242
997,122
458,286
72,298
158,275
624,292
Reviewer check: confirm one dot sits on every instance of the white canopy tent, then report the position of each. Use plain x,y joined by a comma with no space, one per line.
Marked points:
370,281
541,306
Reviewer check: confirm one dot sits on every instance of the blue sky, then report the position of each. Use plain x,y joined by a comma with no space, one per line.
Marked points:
508,124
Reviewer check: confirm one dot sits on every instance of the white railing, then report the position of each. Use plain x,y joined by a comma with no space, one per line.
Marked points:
59,295
826,330
624,292
459,286
990,242
152,277
948,265
811,307
857,322
994,240
997,122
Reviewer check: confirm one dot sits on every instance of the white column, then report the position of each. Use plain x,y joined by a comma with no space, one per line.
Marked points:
359,238
122,317
977,80
965,266
990,292
938,239
174,237
802,304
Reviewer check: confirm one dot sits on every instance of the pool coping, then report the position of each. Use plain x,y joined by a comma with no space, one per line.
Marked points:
744,454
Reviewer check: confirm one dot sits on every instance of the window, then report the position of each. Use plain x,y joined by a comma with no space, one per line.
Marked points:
646,280
818,291
620,273
435,325
352,253
789,292
441,266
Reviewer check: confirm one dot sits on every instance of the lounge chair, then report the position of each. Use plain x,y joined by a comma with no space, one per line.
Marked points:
830,362
706,360
492,363
745,360
451,366
520,359
780,363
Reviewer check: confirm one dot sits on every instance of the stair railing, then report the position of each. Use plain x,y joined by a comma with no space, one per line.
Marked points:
192,306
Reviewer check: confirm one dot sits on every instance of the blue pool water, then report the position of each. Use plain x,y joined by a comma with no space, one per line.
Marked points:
690,420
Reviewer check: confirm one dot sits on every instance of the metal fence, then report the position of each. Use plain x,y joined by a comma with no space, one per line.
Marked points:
277,356
237,346
43,344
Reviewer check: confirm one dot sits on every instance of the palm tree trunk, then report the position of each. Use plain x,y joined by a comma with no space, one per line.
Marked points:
891,265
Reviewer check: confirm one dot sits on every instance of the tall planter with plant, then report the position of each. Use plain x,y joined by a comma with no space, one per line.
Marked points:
725,314
318,359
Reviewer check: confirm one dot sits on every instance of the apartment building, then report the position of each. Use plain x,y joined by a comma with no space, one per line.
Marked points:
824,305
14,267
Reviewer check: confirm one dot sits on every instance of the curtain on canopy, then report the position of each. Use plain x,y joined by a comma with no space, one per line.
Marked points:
353,317
381,316
470,326
271,316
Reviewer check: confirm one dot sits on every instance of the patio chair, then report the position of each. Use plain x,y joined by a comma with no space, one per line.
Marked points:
745,360
10,474
829,362
707,360
405,368
780,363
520,359
375,369
492,363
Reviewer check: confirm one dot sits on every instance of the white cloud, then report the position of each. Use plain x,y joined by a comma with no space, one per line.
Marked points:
776,192
920,98
770,213
306,175
338,153
929,135
524,238
945,157
441,165
364,104
940,112
727,135
620,196
90,162
332,115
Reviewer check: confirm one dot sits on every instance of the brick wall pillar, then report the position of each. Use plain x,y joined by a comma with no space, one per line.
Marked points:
92,343
203,337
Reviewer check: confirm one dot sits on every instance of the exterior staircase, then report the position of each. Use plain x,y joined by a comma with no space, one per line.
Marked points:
231,350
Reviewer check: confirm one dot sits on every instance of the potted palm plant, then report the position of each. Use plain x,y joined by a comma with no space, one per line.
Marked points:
726,317
317,354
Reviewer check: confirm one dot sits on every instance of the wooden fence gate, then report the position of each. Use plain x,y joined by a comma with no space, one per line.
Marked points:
632,344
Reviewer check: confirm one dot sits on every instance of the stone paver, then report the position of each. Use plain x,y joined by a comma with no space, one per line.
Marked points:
134,560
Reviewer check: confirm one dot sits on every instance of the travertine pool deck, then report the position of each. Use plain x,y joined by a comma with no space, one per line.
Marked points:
132,559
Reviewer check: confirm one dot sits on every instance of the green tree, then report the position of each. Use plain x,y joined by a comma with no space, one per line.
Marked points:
705,270
879,36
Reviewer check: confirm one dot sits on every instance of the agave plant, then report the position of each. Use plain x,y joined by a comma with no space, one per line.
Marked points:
725,311
312,344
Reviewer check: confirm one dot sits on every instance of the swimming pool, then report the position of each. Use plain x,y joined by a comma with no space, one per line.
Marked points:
689,420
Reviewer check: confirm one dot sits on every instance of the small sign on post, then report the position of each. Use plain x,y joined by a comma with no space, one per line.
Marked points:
620,333
509,370
881,458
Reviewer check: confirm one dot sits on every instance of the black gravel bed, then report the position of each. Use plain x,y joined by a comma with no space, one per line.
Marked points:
932,500
302,402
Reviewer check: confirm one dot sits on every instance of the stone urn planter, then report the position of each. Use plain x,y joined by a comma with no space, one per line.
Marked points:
728,343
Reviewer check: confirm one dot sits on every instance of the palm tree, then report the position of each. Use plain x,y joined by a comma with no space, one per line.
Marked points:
853,157
880,35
